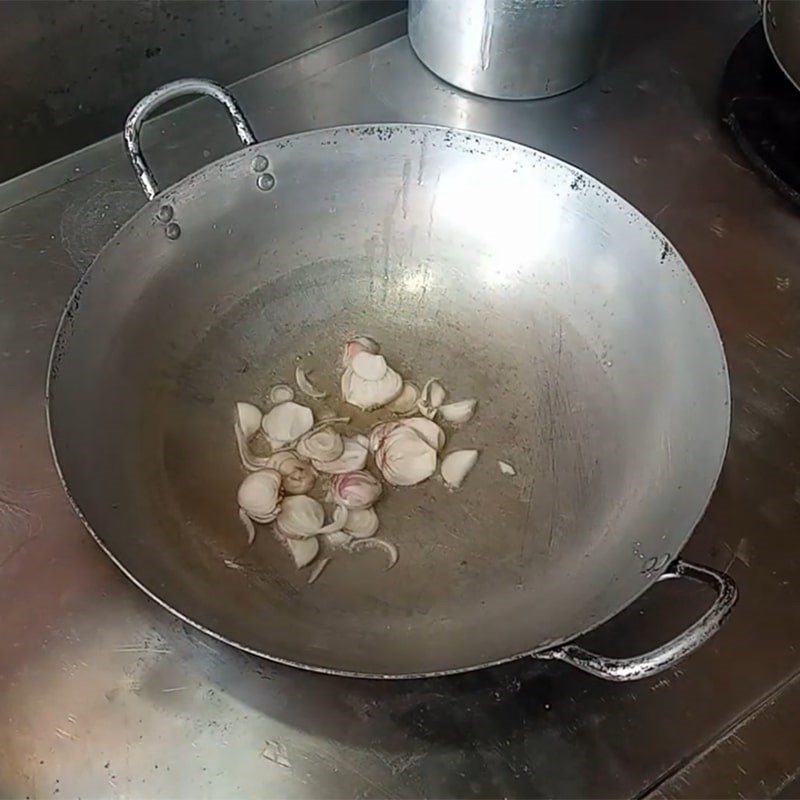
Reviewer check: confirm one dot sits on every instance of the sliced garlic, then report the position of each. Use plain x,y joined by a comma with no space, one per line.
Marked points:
352,459
355,490
298,476
406,401
287,422
381,544
459,412
405,458
337,522
300,516
361,523
259,495
369,382
281,394
249,419
436,394
456,466
305,385
356,345
303,551
248,526
506,468
249,461
322,445
428,430
318,570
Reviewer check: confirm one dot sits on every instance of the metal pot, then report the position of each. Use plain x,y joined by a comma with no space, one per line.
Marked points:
522,280
781,22
510,49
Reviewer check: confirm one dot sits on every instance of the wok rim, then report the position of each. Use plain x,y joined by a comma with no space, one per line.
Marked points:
355,129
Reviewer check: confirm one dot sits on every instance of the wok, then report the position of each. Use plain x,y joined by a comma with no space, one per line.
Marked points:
519,279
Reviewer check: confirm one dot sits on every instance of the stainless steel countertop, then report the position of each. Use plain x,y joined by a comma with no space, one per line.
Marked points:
103,693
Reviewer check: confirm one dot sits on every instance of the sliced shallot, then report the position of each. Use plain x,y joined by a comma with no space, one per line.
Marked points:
305,385
338,539
259,495
356,345
428,430
248,526
303,551
459,412
405,458
282,393
352,459
406,401
287,422
249,418
355,490
381,544
361,523
324,444
300,516
298,476
456,466
369,382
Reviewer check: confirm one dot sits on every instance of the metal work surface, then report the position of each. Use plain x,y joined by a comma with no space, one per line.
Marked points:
105,694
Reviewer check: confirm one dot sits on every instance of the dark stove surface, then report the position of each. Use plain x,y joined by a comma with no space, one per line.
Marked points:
761,108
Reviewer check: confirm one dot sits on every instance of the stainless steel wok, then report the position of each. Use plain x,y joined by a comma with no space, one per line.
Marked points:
519,279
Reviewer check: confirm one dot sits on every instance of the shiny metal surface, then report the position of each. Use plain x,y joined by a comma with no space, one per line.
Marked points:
510,49
781,22
104,693
593,354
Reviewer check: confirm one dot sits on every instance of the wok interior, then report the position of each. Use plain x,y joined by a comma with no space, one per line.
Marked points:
510,276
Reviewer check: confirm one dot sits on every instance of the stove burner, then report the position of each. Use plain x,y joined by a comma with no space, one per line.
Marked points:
761,107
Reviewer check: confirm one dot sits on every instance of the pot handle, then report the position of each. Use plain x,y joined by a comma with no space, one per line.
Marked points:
669,654
142,110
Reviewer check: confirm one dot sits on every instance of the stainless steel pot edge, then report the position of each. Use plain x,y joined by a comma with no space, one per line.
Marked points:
634,668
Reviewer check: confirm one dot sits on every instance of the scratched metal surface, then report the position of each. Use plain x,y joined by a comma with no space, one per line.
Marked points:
105,694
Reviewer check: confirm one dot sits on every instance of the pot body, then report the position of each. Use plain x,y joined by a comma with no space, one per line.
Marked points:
510,49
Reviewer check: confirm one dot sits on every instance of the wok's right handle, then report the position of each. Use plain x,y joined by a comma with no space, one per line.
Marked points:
669,654
142,110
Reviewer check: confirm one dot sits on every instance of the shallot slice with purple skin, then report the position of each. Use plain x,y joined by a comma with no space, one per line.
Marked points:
356,345
259,495
300,517
321,445
369,382
361,523
355,490
287,422
381,544
405,458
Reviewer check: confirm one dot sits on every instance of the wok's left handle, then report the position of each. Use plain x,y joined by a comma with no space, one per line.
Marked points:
669,654
145,107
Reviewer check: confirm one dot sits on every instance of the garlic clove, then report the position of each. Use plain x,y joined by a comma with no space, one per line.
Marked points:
322,445
428,430
459,412
506,468
406,401
356,345
300,516
352,459
249,418
305,385
355,490
369,366
381,544
456,466
361,523
248,526
286,422
259,495
281,394
298,476
436,394
318,570
303,551
362,440
405,458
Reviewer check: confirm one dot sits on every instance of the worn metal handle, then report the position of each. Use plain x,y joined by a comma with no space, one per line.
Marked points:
142,110
669,654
